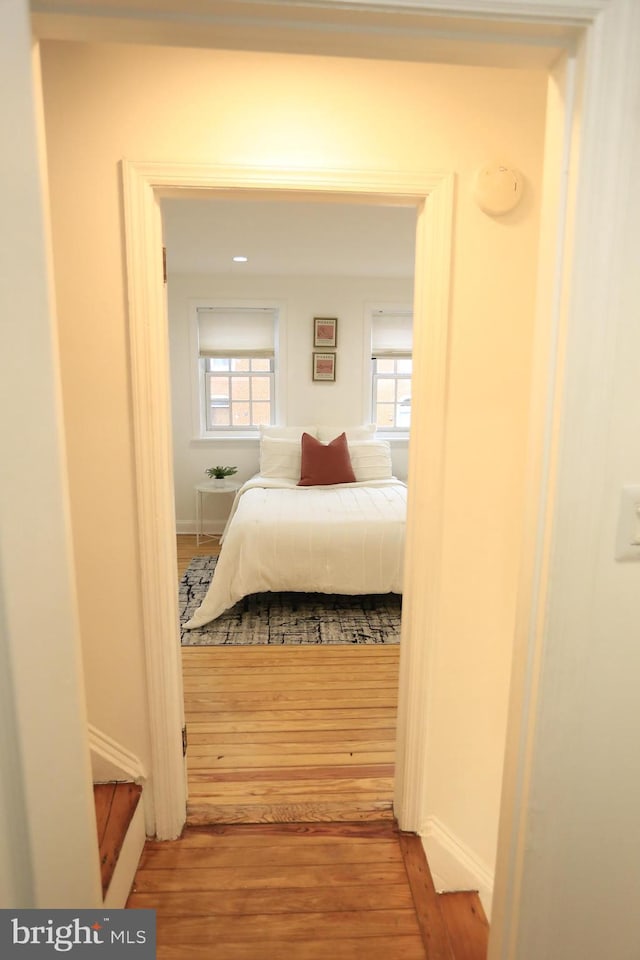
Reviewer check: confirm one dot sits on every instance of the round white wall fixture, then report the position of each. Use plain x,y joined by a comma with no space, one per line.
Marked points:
498,188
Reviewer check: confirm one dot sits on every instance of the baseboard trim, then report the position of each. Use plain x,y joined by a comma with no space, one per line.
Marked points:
111,761
211,529
128,860
454,866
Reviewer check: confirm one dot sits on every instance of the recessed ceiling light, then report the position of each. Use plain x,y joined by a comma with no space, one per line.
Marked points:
240,259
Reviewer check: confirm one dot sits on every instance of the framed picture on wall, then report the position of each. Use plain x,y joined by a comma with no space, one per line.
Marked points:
325,331
324,366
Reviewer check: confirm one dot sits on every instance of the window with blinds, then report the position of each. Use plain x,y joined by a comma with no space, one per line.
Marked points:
236,350
391,368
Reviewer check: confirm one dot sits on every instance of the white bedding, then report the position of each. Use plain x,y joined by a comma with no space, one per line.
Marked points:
345,538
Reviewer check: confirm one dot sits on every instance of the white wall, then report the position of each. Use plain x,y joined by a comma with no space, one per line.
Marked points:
577,892
108,102
303,401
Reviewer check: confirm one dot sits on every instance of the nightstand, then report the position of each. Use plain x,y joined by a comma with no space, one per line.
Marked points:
203,490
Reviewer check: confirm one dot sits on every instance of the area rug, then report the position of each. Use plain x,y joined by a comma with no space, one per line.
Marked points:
275,619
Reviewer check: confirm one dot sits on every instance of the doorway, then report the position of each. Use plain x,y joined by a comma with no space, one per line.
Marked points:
312,258
145,185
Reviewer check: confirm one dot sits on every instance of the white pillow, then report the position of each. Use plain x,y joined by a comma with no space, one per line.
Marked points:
280,458
371,459
286,433
326,434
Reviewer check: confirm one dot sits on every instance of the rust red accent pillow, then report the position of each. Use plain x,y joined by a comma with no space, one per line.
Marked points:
324,463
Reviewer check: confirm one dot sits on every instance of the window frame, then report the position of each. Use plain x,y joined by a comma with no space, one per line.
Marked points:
200,431
372,310
394,378
207,374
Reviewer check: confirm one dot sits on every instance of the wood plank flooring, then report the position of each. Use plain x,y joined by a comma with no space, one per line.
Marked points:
291,849
308,892
115,805
187,548
290,733
466,923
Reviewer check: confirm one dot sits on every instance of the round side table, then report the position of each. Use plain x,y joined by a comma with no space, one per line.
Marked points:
203,490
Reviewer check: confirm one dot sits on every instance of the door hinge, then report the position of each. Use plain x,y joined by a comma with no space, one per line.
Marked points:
164,264
184,741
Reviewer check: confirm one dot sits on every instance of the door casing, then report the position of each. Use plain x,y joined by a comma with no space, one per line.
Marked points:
431,193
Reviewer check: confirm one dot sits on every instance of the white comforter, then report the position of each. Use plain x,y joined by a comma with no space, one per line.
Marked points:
347,538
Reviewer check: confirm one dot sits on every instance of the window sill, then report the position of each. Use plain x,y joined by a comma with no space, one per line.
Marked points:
240,435
396,436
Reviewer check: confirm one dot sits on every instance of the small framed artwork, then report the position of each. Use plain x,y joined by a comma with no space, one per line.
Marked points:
324,366
325,331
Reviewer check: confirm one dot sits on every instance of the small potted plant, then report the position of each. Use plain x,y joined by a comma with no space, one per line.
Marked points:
219,474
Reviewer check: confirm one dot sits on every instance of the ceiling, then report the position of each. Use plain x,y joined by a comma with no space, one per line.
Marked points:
289,237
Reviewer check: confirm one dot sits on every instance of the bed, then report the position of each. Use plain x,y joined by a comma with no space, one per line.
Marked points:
287,535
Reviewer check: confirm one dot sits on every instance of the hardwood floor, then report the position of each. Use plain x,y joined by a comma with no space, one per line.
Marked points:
306,892
288,734
115,805
466,924
187,548
291,849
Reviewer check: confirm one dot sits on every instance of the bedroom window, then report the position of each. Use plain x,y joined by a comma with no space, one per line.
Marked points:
236,355
391,368
238,391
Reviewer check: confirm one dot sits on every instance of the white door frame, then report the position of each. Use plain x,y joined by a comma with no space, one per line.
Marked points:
432,195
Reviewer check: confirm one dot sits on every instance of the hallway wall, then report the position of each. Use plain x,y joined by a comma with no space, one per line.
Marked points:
107,102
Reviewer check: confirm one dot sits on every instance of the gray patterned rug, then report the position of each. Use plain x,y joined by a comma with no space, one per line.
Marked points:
288,618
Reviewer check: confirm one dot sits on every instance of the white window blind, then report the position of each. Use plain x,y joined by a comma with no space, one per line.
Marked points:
391,334
236,332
